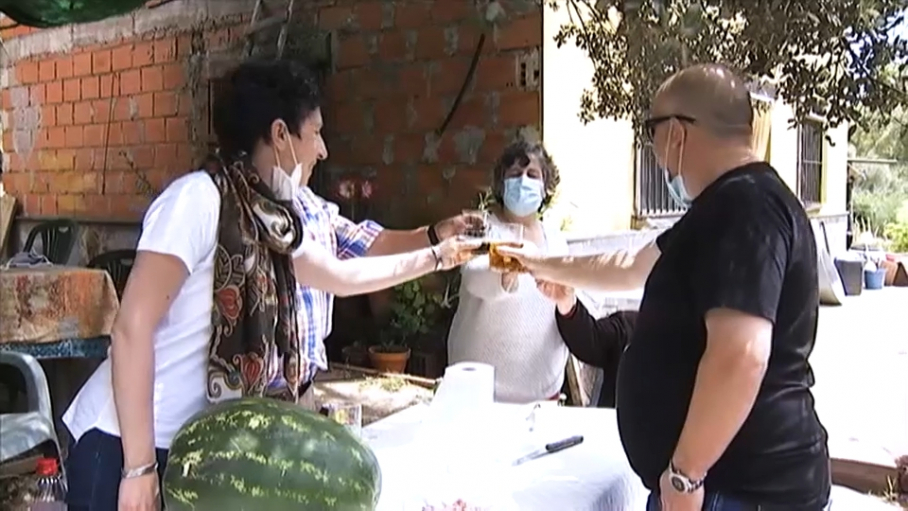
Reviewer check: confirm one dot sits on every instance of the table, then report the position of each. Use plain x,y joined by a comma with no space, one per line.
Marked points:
61,314
57,311
96,347
594,475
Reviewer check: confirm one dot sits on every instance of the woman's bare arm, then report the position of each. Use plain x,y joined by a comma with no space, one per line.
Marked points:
153,283
316,267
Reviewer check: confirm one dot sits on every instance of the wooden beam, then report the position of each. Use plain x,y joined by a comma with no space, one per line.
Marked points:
416,380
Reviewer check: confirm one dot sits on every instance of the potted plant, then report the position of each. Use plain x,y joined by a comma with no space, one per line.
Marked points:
412,312
430,353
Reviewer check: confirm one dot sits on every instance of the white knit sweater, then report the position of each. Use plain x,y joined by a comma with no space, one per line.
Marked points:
513,331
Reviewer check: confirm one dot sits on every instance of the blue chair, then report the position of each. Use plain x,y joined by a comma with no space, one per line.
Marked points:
32,425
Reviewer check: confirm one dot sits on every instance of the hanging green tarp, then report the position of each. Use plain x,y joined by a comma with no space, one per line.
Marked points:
54,13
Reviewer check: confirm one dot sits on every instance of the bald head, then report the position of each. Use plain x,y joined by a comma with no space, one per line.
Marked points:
711,94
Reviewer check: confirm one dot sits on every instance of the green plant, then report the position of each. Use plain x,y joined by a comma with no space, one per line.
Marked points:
880,194
414,311
484,200
897,234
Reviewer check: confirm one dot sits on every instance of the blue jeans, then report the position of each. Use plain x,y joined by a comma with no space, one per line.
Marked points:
94,469
713,502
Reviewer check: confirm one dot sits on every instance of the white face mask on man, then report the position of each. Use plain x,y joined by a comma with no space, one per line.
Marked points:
284,185
676,188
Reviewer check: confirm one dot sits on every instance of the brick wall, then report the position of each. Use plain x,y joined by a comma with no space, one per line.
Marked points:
92,132
78,123
398,68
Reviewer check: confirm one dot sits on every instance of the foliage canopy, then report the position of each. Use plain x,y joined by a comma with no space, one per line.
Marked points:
834,58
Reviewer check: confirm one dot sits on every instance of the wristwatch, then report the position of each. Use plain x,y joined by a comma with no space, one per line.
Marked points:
680,482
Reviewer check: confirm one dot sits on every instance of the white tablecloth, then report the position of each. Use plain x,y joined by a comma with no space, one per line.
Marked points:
594,475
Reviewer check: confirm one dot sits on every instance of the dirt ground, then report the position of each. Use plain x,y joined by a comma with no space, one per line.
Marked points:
861,367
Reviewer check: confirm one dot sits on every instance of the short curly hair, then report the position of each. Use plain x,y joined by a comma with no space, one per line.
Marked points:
519,152
256,94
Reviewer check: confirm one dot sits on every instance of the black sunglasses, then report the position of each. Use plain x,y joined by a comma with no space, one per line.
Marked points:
649,125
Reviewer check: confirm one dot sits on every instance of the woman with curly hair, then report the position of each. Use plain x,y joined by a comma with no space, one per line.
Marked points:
502,318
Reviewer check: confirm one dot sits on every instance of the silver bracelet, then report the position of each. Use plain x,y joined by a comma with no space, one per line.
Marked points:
144,470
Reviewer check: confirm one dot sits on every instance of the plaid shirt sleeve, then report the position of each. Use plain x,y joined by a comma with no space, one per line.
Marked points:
353,240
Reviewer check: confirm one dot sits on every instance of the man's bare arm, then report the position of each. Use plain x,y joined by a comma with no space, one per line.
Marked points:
619,271
728,379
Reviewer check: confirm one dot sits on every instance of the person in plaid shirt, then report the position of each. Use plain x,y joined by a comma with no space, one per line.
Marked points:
323,224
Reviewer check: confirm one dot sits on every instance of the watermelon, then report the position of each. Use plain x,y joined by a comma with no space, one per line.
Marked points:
257,454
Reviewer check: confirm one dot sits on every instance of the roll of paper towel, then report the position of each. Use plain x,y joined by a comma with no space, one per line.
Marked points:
466,390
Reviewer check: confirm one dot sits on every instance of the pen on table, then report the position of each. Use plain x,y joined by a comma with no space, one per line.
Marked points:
551,448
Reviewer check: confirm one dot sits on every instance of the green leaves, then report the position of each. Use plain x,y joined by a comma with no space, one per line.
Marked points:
413,312
833,58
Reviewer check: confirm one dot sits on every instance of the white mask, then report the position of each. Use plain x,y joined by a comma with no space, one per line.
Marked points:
283,185
676,188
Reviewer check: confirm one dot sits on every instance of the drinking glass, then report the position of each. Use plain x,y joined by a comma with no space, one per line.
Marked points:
479,223
348,414
510,235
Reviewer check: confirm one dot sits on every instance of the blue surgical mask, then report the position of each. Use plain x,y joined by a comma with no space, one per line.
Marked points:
523,195
675,184
677,190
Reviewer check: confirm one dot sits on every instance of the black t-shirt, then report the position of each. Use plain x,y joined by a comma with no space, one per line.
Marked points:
745,244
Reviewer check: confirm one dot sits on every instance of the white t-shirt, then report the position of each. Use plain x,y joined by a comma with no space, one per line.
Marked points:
181,222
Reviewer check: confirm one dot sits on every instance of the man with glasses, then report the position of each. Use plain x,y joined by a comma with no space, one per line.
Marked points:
714,402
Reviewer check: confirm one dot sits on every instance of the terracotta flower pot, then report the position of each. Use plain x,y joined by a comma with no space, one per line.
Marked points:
389,359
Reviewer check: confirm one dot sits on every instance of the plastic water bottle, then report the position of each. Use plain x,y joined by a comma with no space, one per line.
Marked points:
50,494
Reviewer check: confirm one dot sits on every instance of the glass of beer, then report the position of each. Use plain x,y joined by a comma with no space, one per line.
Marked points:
508,235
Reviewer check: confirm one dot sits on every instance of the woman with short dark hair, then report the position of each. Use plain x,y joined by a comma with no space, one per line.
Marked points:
502,319
210,310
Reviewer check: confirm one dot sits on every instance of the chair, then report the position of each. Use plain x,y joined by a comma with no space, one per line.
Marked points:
31,425
117,263
596,391
58,237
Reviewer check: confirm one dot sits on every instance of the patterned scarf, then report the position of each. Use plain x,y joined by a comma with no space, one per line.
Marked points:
254,318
